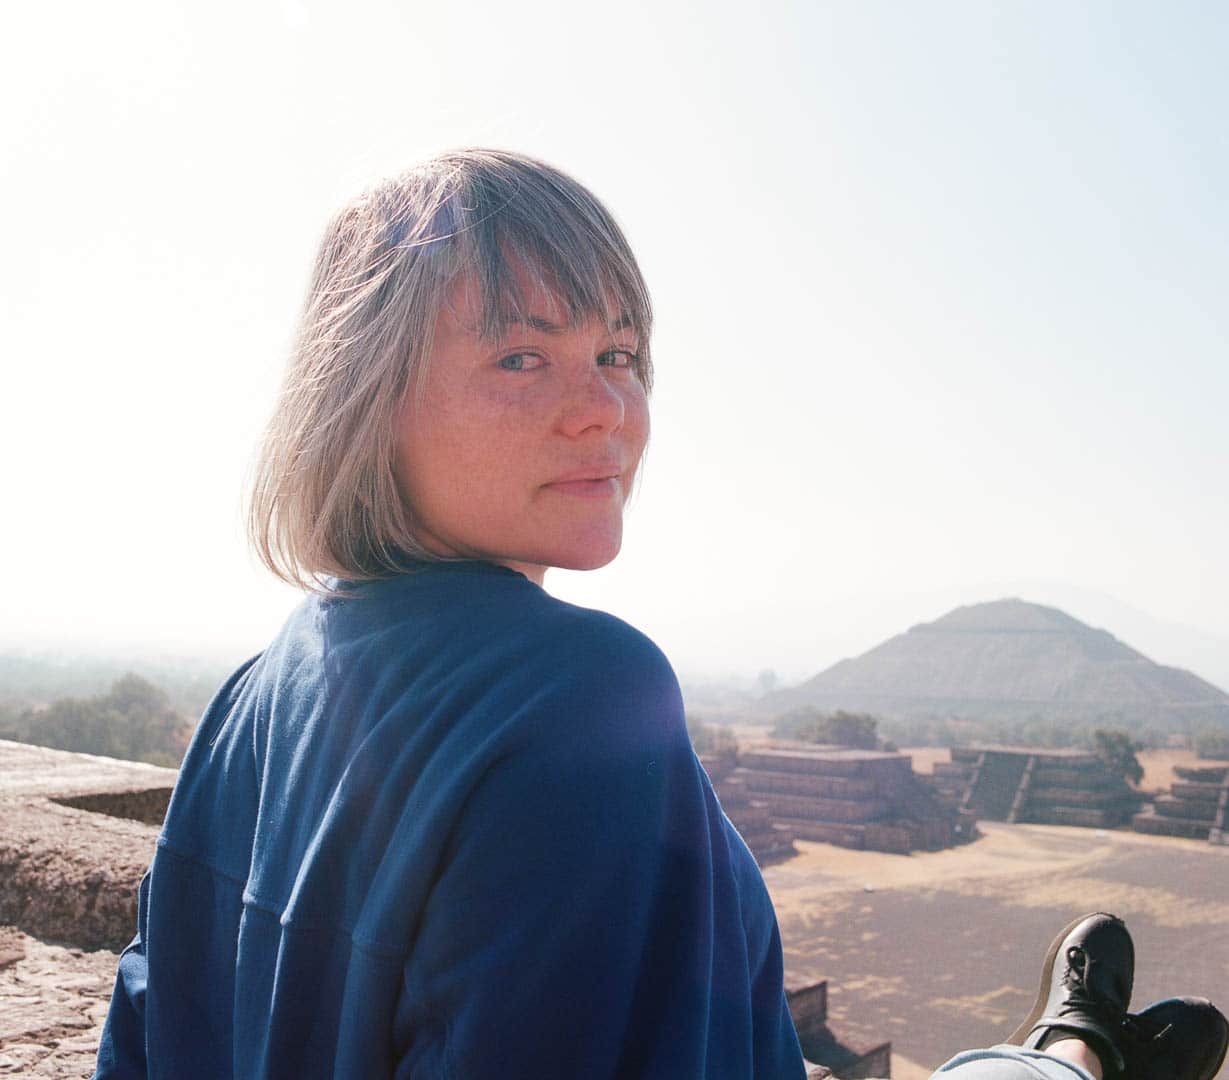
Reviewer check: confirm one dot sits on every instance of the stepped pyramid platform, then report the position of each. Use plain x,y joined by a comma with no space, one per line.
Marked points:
854,798
769,842
1196,807
1035,785
808,1005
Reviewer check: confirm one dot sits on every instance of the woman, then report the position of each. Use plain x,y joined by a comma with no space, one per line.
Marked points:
446,825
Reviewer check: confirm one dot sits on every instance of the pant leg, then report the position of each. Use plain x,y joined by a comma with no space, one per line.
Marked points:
1008,1063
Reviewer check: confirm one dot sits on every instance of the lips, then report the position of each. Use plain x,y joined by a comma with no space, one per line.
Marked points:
594,482
598,488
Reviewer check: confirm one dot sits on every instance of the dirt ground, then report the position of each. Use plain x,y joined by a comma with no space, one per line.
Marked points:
941,951
52,1004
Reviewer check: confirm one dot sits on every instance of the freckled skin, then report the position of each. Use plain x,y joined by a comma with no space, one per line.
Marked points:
522,450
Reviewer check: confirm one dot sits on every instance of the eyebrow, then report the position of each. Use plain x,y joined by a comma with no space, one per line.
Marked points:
545,326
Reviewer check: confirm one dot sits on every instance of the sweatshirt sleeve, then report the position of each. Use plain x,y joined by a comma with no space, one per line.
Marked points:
121,1050
586,922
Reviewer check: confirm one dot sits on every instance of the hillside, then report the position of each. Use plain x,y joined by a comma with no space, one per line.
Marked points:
1013,661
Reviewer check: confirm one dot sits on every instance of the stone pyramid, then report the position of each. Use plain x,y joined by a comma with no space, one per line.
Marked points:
1012,660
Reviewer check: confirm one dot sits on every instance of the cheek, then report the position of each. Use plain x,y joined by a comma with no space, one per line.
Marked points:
426,453
463,444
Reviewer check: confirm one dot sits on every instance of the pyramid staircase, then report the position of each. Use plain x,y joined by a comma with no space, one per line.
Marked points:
998,785
1196,807
1039,785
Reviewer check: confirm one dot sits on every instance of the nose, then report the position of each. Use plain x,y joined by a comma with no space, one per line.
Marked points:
593,403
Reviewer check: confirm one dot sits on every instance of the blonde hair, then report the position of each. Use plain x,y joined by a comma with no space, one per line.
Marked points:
325,500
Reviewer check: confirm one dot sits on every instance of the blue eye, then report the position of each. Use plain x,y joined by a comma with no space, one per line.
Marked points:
621,358
521,361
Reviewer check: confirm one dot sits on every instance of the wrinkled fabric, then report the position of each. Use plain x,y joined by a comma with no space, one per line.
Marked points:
448,826
1009,1063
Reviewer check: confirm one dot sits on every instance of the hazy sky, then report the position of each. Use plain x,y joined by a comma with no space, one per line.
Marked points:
941,292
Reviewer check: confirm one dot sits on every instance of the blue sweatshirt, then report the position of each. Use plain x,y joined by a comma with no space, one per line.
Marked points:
450,827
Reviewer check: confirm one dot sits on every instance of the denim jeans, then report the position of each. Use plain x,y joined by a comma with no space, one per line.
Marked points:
1008,1063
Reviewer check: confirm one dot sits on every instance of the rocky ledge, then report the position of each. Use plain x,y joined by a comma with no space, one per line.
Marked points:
76,833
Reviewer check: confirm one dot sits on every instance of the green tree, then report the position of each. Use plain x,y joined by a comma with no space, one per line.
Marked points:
840,728
1117,750
134,720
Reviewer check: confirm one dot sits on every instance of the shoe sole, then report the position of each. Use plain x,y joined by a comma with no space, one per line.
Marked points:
1018,1036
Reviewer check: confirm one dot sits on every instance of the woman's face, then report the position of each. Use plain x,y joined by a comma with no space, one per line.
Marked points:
522,450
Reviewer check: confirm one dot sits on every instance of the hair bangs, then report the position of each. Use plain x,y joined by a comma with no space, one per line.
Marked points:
531,230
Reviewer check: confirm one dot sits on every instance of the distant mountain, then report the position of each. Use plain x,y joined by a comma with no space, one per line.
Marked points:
1009,660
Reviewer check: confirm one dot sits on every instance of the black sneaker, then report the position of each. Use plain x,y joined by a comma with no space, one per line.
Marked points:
1176,1039
1085,989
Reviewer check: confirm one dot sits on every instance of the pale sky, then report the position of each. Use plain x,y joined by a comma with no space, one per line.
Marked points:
941,295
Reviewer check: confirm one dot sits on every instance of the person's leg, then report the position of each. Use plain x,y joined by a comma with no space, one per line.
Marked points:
1077,1052
1012,1063
1069,1033
1079,1027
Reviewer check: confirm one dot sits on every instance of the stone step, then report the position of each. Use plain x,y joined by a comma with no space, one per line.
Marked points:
845,1061
1089,817
1080,779
748,816
1205,774
1169,807
830,762
1155,825
833,787
1052,796
808,1004
1201,792
817,809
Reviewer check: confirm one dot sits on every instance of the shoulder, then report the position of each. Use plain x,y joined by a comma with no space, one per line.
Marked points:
597,644
503,623
492,649
600,659
586,681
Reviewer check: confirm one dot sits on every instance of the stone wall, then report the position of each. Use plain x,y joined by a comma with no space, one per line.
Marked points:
808,1006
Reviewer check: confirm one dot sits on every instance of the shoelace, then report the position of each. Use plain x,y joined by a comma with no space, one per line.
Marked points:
1077,979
